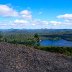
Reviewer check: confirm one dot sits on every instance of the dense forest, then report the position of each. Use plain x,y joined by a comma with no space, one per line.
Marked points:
28,35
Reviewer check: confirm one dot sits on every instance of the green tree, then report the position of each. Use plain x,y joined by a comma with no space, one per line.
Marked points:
1,37
36,37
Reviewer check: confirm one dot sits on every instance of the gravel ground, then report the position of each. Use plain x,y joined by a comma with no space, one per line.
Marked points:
19,58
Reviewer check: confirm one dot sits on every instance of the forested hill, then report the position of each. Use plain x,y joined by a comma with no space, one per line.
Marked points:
27,35
41,31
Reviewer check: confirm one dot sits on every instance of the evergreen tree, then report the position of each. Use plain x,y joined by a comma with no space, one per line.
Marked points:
36,37
0,37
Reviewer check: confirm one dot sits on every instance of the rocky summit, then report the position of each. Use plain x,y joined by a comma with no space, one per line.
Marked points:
20,58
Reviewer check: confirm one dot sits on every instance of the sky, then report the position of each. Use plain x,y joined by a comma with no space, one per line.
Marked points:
35,14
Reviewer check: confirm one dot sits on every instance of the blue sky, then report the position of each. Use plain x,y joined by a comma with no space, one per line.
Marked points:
36,14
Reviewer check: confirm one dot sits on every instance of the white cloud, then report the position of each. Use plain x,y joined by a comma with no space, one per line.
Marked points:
26,14
45,22
39,22
3,24
65,16
25,19
21,22
55,22
67,19
7,11
33,24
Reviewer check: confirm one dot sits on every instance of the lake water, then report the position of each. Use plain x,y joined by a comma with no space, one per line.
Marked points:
56,43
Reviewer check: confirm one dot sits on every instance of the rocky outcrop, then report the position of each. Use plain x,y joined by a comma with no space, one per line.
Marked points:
20,58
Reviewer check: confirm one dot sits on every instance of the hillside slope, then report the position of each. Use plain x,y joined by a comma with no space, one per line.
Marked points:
19,58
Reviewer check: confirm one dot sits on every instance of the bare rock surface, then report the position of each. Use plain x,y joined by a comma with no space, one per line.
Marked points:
20,58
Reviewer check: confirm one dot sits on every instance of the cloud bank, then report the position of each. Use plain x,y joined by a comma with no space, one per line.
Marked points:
6,11
24,19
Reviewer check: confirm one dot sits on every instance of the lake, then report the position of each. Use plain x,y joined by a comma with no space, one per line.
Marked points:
56,43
